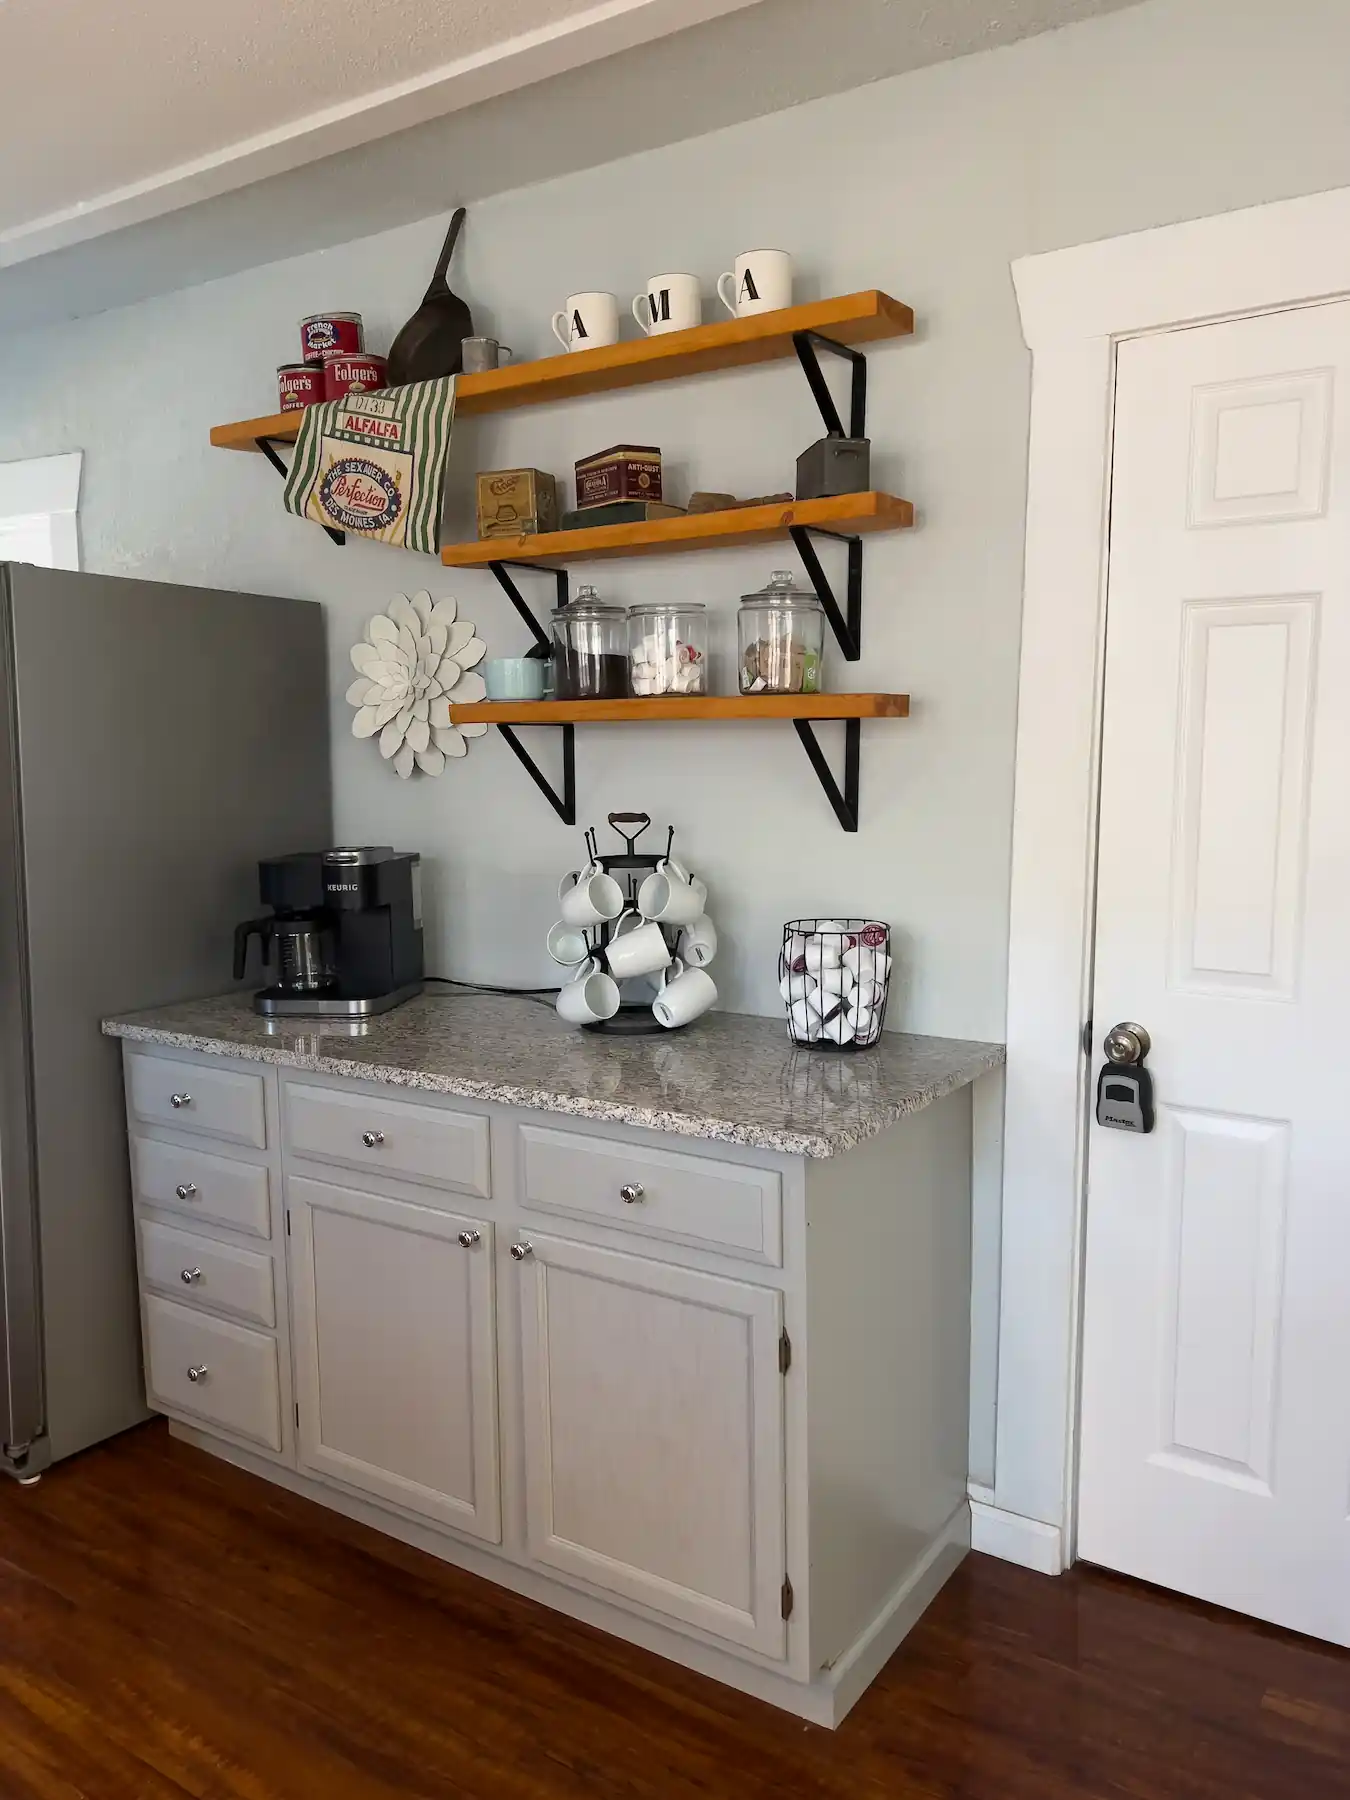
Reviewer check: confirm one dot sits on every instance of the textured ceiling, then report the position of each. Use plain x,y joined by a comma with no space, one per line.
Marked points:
755,58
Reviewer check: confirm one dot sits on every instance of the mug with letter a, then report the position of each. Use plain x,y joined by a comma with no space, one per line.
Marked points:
761,282
588,321
671,303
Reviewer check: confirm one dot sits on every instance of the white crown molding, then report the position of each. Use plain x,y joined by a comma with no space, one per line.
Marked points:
585,37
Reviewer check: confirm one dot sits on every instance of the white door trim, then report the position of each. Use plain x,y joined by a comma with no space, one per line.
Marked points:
40,497
1075,306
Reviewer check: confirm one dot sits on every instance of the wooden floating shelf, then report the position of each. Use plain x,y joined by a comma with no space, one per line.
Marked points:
729,344
676,707
695,531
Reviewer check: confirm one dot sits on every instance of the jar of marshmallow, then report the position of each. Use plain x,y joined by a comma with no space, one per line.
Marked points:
668,649
834,976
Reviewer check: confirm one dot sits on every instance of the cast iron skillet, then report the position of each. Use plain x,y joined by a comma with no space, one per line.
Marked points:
428,346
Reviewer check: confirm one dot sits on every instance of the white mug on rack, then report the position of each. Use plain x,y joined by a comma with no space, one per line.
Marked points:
636,947
589,997
589,897
698,945
672,895
588,321
761,282
671,303
685,995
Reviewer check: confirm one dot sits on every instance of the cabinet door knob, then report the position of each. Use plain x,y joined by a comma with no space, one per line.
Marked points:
372,1139
186,1190
470,1238
189,1276
521,1251
177,1101
631,1192
198,1372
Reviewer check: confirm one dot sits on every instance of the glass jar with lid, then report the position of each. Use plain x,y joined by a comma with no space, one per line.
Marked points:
781,632
590,649
668,648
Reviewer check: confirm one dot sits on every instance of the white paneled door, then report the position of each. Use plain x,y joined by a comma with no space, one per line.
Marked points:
1215,1445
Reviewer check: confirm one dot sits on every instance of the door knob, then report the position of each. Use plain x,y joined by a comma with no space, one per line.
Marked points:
186,1190
372,1139
521,1251
470,1238
631,1192
189,1276
178,1101
198,1372
1127,1043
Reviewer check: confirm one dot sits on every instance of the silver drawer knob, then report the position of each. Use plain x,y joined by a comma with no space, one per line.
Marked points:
521,1251
189,1276
631,1192
470,1238
177,1101
186,1190
372,1139
198,1372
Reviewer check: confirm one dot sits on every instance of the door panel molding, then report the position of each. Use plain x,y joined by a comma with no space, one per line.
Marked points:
1076,305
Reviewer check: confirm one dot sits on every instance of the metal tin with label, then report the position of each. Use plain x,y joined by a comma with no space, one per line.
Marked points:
323,334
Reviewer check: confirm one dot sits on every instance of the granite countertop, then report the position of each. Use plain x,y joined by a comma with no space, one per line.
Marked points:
730,1077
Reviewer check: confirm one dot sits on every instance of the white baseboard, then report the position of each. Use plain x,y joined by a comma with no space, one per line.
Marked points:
1030,1542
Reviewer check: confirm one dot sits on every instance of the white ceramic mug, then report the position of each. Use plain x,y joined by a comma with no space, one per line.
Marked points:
698,945
587,321
686,994
671,303
589,897
671,895
636,947
590,996
761,282
567,944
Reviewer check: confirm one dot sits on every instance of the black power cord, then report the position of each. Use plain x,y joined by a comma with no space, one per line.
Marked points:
540,996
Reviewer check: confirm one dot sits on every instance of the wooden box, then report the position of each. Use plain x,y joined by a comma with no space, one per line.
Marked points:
516,503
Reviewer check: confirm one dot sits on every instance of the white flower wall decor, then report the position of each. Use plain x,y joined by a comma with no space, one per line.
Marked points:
414,660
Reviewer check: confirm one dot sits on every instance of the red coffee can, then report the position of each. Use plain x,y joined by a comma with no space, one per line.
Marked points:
301,384
343,375
327,333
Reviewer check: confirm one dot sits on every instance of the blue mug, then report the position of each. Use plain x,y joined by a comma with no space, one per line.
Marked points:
514,678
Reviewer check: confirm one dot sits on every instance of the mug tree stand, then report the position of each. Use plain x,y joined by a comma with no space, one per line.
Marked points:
630,868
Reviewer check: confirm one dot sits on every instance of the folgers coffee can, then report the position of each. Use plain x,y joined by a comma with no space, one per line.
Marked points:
327,333
301,384
343,375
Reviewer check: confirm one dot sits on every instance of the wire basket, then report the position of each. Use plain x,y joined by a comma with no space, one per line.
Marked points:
835,977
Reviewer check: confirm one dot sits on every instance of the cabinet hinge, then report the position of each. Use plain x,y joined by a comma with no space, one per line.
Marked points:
784,1353
787,1598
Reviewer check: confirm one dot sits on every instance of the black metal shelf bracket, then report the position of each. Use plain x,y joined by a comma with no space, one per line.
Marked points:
846,623
845,804
806,343
502,570
269,450
564,804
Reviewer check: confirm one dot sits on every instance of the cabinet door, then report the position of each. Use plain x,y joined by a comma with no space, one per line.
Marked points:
654,1436
395,1352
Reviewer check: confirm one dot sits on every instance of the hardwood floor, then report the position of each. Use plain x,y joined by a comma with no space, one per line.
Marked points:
169,1627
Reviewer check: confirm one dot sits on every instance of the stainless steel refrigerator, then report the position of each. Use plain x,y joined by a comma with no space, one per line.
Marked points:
155,741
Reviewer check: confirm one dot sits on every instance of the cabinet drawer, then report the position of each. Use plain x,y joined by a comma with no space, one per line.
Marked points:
188,1180
688,1199
398,1137
199,1270
237,1385
223,1103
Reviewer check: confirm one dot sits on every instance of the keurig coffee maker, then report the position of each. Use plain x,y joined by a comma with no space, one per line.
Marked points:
344,937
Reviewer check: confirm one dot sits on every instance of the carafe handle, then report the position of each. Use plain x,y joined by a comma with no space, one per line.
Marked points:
242,933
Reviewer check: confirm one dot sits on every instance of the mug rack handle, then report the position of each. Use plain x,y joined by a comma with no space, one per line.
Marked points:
617,821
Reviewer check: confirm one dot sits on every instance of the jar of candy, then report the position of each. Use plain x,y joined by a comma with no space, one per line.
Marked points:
668,648
590,654
781,631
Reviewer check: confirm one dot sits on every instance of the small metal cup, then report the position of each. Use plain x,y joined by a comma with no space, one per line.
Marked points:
484,353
